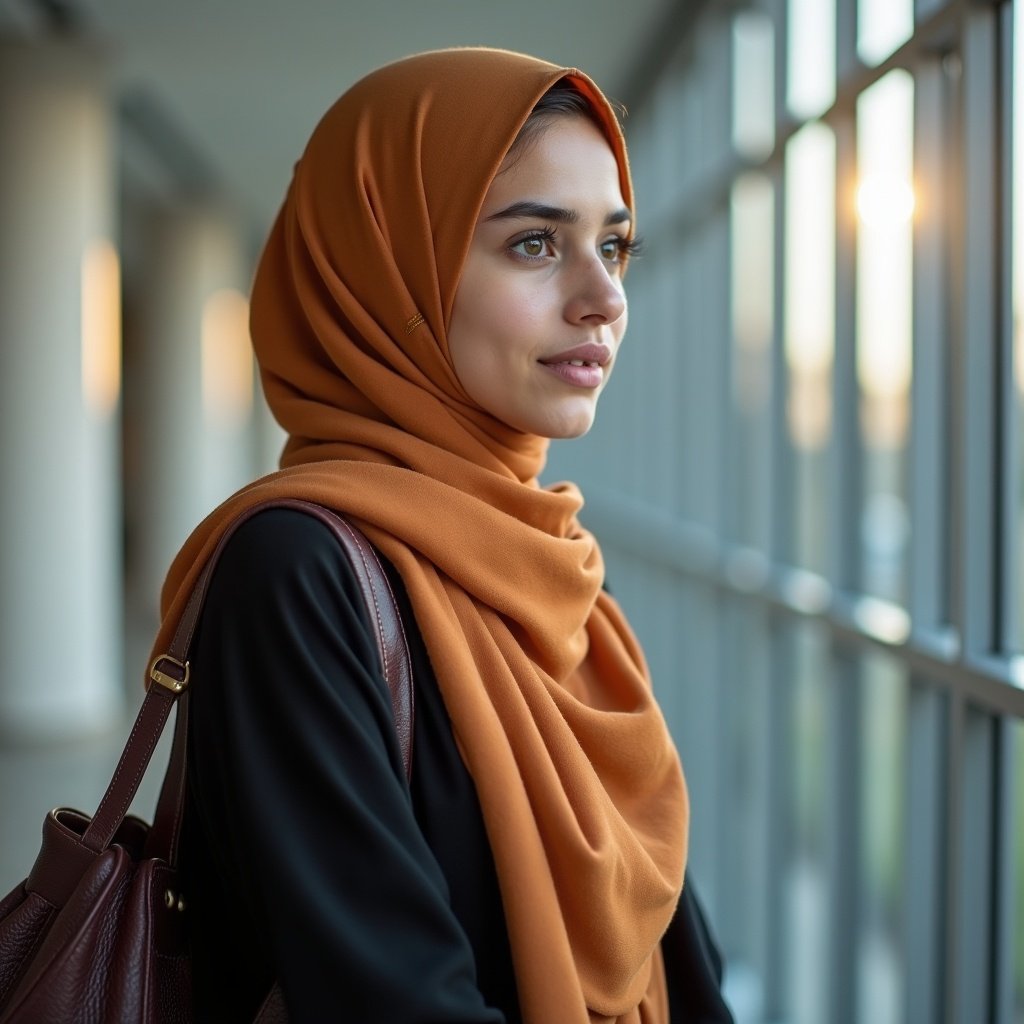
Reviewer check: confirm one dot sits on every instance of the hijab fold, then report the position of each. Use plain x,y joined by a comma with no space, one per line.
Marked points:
548,693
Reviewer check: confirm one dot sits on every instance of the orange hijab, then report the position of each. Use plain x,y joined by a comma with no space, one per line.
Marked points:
547,689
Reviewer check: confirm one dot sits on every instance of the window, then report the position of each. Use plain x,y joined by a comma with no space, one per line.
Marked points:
842,660
885,206
809,318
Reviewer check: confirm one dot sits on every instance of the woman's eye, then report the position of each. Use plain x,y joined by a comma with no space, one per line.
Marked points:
537,246
615,250
618,250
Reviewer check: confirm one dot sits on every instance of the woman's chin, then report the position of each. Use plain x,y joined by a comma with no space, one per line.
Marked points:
569,427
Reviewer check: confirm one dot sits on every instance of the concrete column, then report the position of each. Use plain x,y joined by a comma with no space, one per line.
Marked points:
60,510
192,402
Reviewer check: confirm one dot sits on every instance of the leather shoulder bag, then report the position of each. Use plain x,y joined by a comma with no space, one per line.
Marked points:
96,934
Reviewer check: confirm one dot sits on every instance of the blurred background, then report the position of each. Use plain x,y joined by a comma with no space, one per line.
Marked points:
808,476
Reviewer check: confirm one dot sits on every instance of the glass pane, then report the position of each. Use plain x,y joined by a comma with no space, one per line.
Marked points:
882,26
753,90
885,206
811,45
809,325
805,887
752,287
884,725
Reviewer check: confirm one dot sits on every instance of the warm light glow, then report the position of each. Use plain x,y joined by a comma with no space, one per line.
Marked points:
227,363
810,248
885,200
101,328
809,306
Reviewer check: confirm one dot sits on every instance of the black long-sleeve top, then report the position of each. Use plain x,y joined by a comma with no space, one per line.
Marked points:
307,855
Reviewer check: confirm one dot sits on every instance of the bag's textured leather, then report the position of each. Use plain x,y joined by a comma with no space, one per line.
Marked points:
97,932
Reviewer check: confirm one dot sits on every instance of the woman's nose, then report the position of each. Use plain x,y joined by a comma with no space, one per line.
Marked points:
597,296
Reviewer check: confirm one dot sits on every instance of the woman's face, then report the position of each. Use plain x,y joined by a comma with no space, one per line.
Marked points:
540,310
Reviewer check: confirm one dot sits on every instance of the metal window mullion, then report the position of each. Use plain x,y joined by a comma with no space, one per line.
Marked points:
848,62
710,368
969,932
781,497
779,827
969,807
647,438
779,548
930,317
689,345
926,785
699,358
844,827
954,825
978,467
1008,598
1007,798
1009,586
731,837
731,691
779,12
844,456
722,415
714,413
666,323
700,740
677,320
714,60
729,519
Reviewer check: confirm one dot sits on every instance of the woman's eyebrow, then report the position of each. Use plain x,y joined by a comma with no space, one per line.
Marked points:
541,211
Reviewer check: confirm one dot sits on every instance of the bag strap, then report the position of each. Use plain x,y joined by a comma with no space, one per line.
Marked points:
169,675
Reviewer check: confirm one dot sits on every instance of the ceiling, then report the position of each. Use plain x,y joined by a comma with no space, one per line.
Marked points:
222,94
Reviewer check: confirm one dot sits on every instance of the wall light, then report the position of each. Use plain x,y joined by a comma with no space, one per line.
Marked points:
227,361
101,328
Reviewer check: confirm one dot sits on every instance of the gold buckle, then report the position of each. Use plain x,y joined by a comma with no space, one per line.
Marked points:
168,681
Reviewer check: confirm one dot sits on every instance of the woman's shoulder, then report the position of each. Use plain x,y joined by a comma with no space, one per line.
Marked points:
285,551
274,539
283,579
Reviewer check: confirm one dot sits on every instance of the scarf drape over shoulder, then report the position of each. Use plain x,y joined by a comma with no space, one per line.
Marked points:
547,689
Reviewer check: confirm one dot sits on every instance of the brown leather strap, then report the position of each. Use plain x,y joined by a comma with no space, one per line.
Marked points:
395,662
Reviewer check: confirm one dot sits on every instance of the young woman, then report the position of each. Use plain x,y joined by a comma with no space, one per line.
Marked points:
442,293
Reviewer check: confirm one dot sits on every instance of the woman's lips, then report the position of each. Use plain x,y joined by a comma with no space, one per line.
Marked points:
582,366
577,373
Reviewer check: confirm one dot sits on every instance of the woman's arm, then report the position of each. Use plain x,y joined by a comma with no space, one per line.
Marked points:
297,783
